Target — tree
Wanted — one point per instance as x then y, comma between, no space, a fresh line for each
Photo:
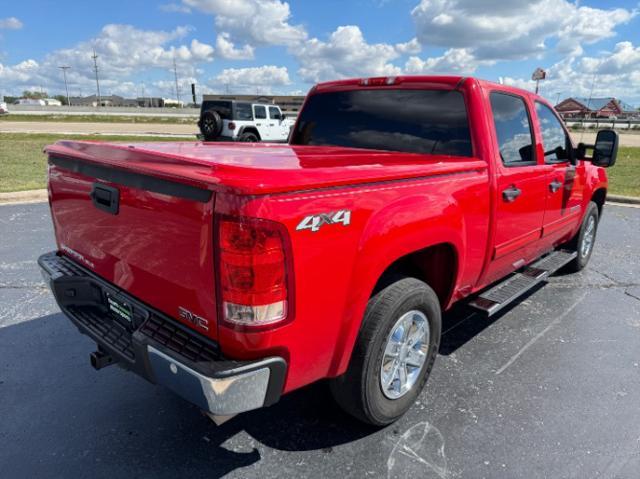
62,99
34,95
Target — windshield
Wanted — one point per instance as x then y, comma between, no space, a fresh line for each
413,121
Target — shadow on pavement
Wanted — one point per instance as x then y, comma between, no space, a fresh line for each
76,420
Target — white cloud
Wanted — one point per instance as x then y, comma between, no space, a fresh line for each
254,22
122,50
625,59
266,76
10,23
345,54
498,30
614,73
453,61
411,47
226,49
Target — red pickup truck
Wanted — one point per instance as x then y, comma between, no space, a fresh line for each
235,273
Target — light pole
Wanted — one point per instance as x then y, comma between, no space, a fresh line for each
66,87
95,68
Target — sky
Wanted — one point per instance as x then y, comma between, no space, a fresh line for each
279,47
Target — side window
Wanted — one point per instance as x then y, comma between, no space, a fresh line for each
274,113
513,128
554,138
260,112
243,112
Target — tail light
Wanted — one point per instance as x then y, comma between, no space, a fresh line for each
232,125
254,274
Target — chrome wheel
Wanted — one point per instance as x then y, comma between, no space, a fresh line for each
405,353
588,237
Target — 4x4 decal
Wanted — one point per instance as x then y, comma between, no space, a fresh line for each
314,222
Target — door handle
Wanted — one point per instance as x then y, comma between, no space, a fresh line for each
555,185
510,194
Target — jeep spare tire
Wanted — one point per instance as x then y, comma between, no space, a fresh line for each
210,125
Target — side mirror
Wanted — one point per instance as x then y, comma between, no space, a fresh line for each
605,150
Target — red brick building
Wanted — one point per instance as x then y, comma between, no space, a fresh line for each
576,107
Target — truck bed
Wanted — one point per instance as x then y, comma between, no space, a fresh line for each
262,168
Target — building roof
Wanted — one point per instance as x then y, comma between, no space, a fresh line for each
596,104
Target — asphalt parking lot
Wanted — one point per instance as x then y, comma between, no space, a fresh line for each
550,388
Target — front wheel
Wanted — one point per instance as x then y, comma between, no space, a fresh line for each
584,240
393,355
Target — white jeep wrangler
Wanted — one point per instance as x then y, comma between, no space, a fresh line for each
230,120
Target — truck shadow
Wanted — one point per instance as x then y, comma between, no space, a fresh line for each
76,420
61,418
461,324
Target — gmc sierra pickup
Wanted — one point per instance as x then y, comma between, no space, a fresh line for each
235,273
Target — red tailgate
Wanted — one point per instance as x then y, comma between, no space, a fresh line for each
156,244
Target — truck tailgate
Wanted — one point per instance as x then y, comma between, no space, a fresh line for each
147,235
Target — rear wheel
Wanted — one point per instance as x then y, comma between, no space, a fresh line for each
584,240
248,137
393,355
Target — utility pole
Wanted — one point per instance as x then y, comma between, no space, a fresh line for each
95,69
66,87
175,73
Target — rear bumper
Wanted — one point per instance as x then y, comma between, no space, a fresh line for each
159,348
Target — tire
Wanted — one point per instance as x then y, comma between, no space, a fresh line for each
359,391
210,125
581,242
248,137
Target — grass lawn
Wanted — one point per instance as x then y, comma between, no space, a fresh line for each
23,165
624,176
60,118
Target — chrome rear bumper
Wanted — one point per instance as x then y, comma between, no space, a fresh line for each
159,348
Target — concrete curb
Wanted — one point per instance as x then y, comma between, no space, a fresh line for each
632,200
30,196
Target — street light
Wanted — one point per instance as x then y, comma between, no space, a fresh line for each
64,72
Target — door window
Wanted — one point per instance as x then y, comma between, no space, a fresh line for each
554,138
513,129
274,113
260,112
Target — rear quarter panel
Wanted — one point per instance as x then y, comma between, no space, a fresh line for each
337,267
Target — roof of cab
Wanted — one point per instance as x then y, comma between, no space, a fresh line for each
431,81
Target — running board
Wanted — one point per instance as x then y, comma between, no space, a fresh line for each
504,293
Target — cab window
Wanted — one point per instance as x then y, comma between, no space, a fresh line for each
260,112
513,129
554,138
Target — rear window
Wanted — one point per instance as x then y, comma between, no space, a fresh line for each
413,121
222,107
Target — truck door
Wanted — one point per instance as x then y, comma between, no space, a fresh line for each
262,122
521,186
278,127
565,182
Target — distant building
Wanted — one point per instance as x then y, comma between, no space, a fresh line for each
52,102
577,107
290,104
110,100
29,101
171,103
